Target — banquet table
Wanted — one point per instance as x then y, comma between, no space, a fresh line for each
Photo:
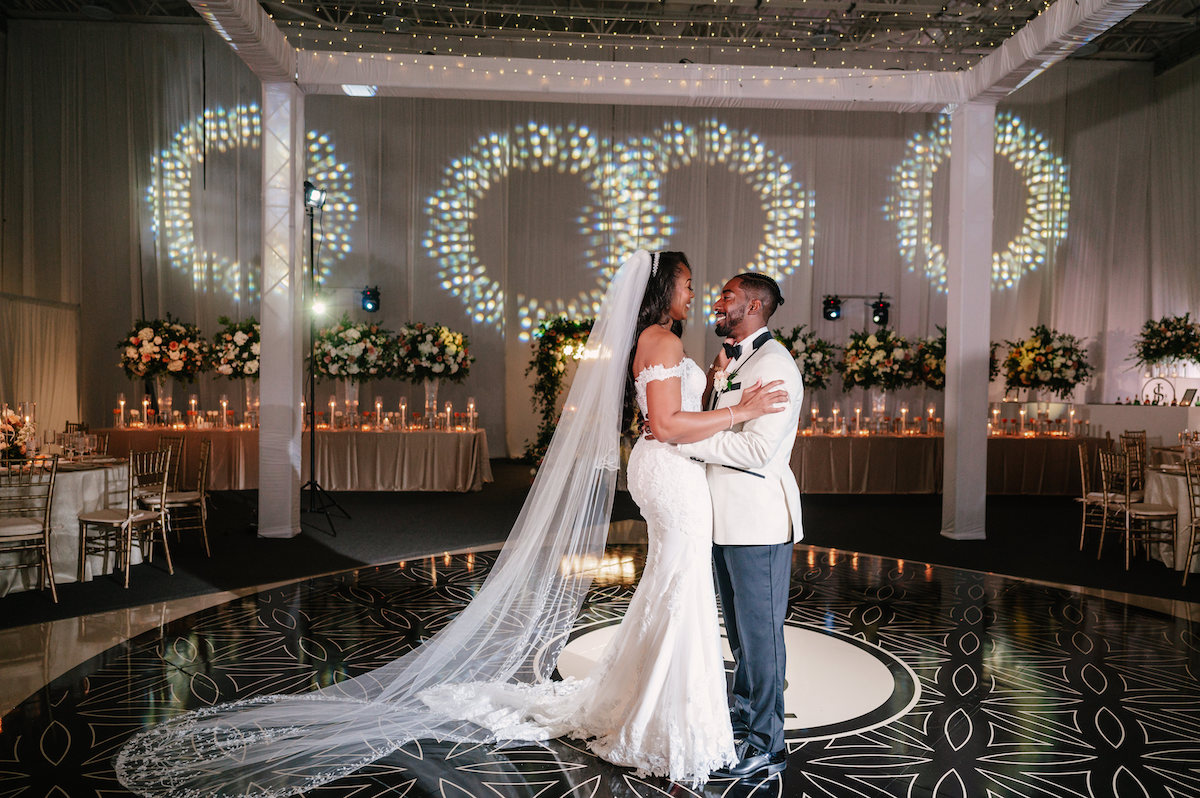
1169,487
75,491
915,463
425,460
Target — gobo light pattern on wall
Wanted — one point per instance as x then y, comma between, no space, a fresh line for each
626,211
1047,201
173,193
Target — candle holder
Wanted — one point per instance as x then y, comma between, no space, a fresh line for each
121,409
448,413
471,414
403,413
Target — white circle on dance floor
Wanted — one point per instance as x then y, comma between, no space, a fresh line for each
835,684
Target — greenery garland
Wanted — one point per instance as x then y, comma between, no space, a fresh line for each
557,341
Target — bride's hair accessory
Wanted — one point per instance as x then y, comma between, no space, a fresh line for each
653,264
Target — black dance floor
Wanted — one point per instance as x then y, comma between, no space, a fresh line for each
903,680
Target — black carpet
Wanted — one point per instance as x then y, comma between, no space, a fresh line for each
1035,537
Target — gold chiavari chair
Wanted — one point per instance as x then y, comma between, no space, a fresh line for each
1133,444
117,527
1091,502
175,444
26,497
188,509
76,426
1138,517
1192,470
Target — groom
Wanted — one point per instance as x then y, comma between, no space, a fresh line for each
756,516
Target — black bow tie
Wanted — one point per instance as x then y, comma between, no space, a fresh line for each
734,351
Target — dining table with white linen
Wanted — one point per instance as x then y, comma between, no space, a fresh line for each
1167,484
82,486
347,459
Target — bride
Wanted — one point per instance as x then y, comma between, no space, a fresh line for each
656,700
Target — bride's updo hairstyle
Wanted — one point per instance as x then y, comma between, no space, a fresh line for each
655,303
659,290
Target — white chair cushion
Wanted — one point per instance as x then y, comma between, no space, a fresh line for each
1157,510
116,517
174,498
14,526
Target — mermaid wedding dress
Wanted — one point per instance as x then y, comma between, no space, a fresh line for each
656,700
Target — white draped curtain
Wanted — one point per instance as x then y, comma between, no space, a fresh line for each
41,358
98,117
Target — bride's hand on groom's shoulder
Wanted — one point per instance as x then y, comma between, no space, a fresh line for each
761,399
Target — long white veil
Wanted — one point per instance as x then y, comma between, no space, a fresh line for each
284,744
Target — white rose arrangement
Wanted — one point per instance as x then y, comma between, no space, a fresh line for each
814,355
353,351
431,351
880,359
237,348
164,346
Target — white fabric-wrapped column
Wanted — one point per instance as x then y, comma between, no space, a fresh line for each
282,311
968,327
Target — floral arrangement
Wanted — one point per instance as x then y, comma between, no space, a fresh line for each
1046,360
15,435
1170,339
556,342
931,361
813,355
353,351
236,348
163,346
431,351
880,359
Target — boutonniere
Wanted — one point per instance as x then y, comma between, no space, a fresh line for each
723,381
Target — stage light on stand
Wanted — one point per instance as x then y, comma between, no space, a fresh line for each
313,197
879,311
831,308
370,299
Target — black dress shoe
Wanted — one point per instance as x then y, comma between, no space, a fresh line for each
754,763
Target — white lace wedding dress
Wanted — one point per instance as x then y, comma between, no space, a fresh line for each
656,701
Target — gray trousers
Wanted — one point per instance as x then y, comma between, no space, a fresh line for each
753,584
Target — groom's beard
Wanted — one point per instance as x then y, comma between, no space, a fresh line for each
733,318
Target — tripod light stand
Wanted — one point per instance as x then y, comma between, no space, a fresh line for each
319,500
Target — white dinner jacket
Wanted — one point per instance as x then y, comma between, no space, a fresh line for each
751,510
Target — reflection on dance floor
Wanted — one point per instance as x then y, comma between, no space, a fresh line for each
903,680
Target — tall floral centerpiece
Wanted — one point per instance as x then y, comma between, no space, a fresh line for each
814,355
16,437
879,361
428,354
1169,342
165,351
931,361
352,353
557,342
236,349
1046,360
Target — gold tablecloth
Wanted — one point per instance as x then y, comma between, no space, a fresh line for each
914,464
432,461
346,459
74,493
